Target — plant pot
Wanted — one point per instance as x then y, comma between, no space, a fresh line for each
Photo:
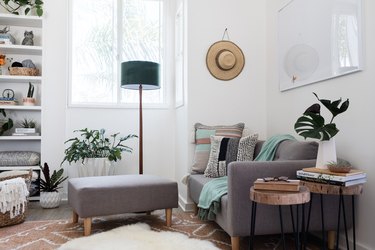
95,167
50,199
326,153
27,101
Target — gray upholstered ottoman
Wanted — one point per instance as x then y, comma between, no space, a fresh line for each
117,194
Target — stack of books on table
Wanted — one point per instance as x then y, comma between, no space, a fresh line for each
288,185
325,176
25,132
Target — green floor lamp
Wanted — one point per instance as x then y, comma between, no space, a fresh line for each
140,75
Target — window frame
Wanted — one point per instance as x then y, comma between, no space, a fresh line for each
118,104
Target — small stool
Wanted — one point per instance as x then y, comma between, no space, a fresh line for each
322,189
279,198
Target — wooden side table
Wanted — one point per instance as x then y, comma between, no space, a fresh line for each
278,198
322,189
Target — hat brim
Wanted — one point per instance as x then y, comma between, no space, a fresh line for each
211,61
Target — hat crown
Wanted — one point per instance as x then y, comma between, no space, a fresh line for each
226,60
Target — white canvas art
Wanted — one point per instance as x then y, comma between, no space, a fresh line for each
318,40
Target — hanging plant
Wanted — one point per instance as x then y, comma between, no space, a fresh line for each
14,6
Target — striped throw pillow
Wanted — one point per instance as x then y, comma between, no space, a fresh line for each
203,141
224,150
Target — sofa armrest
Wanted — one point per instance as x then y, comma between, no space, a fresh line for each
241,176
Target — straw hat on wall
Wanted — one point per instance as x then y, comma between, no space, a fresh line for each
225,60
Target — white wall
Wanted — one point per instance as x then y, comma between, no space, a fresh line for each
59,120
211,101
355,140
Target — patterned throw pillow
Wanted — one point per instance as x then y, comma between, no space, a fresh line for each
203,143
225,150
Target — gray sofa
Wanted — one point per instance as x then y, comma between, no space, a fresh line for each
235,213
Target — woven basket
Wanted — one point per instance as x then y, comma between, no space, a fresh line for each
5,219
20,71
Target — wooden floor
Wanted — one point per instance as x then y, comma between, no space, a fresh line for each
36,212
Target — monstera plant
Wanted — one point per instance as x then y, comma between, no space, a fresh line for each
313,125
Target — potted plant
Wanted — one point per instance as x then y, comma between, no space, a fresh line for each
29,100
5,123
49,195
26,127
15,6
313,125
95,151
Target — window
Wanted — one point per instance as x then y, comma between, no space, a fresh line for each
104,34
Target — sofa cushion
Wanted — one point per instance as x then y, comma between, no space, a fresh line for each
203,142
296,150
224,150
196,183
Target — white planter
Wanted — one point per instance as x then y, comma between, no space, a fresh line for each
326,153
95,167
50,199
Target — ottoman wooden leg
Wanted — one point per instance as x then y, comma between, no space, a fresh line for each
87,226
235,241
75,217
168,216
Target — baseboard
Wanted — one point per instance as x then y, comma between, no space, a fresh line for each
359,246
185,205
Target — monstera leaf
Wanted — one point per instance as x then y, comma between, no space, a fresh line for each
311,125
333,106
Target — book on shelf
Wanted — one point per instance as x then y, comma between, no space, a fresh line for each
25,134
336,183
25,130
326,171
333,176
289,185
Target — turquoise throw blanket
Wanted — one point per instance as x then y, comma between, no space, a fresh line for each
209,199
268,151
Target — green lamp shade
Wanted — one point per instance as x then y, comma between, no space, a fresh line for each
135,73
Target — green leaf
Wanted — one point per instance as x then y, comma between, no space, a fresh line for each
39,12
27,10
312,125
333,106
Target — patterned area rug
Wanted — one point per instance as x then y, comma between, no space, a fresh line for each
45,235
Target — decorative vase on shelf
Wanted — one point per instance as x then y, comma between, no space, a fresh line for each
28,101
326,153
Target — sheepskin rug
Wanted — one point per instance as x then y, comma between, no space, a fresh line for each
137,236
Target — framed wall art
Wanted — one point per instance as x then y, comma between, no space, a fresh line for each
318,40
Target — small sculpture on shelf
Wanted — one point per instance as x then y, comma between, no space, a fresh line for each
5,37
29,100
29,38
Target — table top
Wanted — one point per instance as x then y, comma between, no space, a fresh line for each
322,188
280,197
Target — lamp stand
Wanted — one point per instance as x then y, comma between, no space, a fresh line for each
140,131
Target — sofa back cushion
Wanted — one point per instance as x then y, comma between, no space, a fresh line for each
296,150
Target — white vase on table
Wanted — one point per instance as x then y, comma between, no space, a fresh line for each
326,153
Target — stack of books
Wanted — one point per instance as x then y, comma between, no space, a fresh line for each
325,176
289,185
25,132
